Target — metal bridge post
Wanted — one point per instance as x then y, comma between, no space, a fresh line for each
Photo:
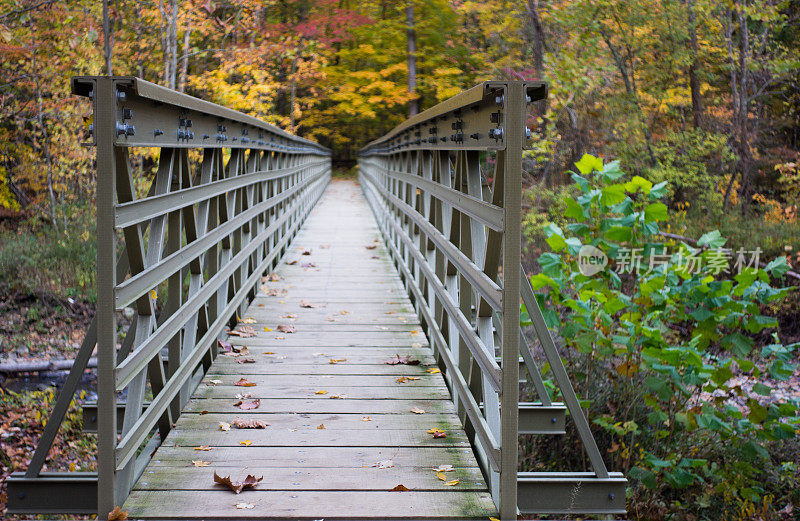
105,121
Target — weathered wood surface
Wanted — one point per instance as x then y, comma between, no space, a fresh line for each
360,319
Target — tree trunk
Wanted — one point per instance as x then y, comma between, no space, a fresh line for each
411,36
537,37
694,82
185,59
108,44
173,45
45,137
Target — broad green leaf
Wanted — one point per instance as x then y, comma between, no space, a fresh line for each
656,212
762,389
712,239
638,183
588,163
573,210
778,267
619,234
612,194
658,190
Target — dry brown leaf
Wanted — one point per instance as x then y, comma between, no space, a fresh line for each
306,252
274,277
237,486
248,320
385,464
292,262
203,447
404,360
246,405
214,382
203,412
306,304
400,488
117,514
200,463
243,396
286,328
321,426
437,433
337,397
245,360
243,331
224,346
371,247
241,423
417,410
243,382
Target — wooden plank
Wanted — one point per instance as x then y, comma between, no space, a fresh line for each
189,477
353,393
327,369
220,504
324,405
197,432
288,421
349,380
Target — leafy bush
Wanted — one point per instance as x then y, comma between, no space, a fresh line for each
665,344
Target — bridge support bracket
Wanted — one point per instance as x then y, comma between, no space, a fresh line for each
52,493
570,493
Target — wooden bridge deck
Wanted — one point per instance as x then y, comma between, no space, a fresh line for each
330,423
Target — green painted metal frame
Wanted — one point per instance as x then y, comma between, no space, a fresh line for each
453,229
229,195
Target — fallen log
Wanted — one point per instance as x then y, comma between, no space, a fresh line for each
36,366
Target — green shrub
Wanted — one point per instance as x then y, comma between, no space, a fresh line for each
656,348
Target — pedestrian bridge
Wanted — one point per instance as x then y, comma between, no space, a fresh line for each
308,348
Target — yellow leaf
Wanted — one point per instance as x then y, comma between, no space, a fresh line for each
452,483
441,476
224,426
417,410
267,329
153,294
246,443
200,463
321,392
203,447
433,370
321,426
366,419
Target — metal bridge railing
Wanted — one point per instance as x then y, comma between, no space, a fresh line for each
445,188
229,195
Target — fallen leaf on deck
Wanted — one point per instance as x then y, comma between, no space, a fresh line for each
224,426
308,265
242,506
269,353
241,423
416,345
246,405
452,483
385,464
306,304
404,379
200,463
289,315
214,382
321,426
374,257
417,410
246,443
337,360
245,361
413,332
320,354
203,447
321,392
243,396
203,412
399,488
225,346
444,468
275,292
280,337
433,370
244,383
404,360
337,397
274,277
243,331
371,247
267,329
286,328
117,514
437,433
306,252
292,262
248,320
366,419
237,486
441,476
